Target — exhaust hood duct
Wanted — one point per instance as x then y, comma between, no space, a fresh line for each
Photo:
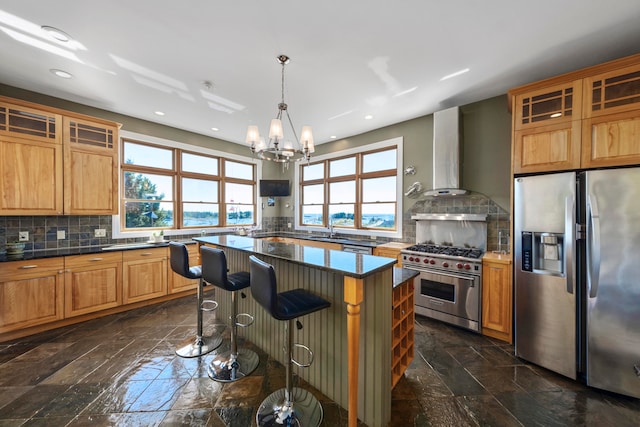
446,153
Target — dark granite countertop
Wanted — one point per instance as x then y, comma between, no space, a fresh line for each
49,253
346,263
401,275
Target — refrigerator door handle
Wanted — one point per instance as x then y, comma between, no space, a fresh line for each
570,240
593,246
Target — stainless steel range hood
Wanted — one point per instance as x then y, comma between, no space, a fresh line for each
446,153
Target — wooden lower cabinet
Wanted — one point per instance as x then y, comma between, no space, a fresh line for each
31,293
178,283
92,283
402,330
497,297
144,274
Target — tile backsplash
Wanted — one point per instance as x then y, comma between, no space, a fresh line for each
80,230
498,220
43,231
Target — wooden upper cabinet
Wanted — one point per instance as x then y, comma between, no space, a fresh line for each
547,148
545,106
31,160
54,162
611,129
589,118
90,167
547,128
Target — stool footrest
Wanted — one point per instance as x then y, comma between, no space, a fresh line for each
244,325
303,365
209,305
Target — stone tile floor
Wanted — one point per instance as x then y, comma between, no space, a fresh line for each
122,370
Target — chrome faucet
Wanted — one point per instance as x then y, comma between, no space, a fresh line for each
331,233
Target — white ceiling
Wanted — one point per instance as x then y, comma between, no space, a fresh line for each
349,58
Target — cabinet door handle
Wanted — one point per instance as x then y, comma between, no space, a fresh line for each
97,259
146,253
26,267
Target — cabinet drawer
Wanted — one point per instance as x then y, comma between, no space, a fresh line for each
92,259
30,268
140,254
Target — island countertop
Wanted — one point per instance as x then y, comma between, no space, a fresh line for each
350,264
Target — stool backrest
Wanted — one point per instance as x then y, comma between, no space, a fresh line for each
264,287
179,258
214,266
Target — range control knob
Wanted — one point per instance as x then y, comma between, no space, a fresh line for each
467,267
445,264
433,261
426,260
459,265
410,258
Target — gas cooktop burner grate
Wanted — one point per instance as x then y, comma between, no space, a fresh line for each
446,250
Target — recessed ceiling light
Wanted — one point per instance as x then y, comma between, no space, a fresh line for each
457,73
159,113
56,33
368,117
61,73
215,129
333,137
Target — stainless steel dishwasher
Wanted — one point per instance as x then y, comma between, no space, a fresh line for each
357,249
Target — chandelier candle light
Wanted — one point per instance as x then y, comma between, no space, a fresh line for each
277,150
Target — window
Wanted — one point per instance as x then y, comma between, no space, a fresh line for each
353,191
169,187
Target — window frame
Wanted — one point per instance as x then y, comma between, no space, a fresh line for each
118,230
357,229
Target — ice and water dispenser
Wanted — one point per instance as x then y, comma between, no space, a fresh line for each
543,253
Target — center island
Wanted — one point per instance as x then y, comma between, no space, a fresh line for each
351,340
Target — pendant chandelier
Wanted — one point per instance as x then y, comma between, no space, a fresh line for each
277,149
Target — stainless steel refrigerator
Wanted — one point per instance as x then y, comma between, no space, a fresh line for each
577,275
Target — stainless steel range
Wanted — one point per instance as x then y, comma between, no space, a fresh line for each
448,256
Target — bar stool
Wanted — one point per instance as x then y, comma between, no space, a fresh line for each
200,345
233,364
291,406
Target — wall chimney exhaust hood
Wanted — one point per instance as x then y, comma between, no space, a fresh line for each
446,153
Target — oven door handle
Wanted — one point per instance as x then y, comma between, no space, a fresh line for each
471,278
435,301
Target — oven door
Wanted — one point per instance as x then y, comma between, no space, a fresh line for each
452,298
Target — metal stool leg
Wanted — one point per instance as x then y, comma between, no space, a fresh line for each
200,345
290,406
234,364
